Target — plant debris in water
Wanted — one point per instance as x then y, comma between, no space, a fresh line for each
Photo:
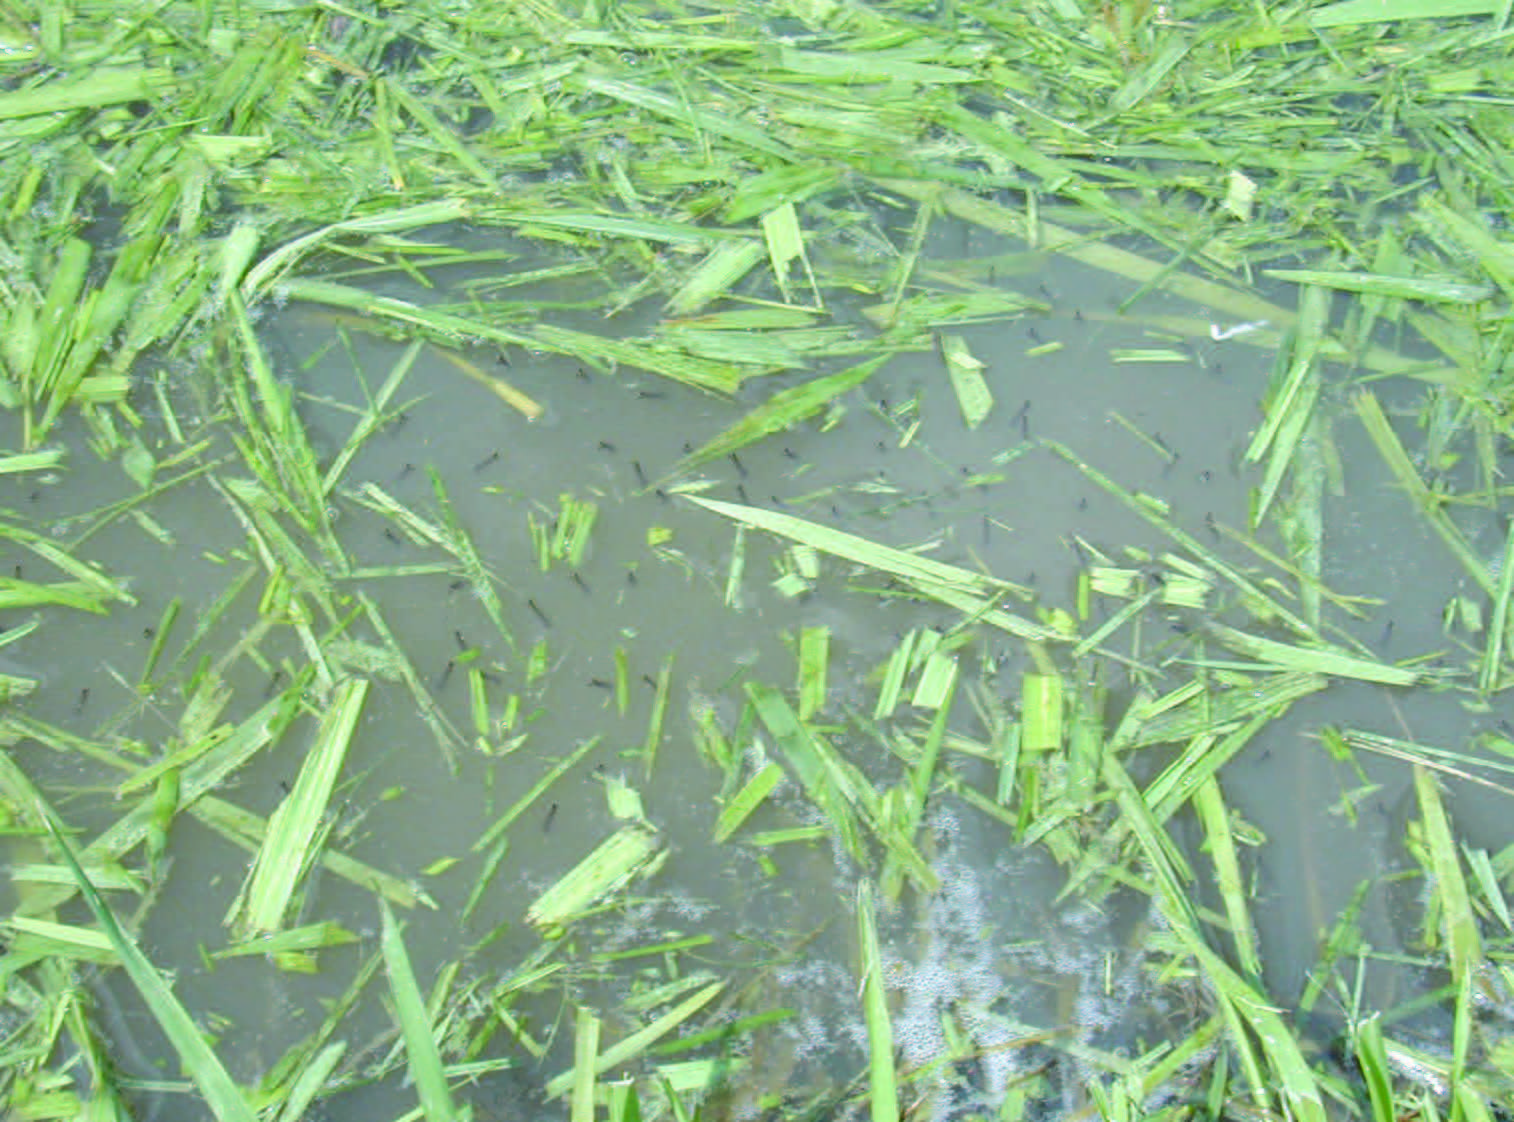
763,189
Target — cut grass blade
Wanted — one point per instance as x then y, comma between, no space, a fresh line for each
1426,503
422,1056
247,830
780,413
297,829
1215,818
907,566
883,1091
814,660
1433,290
826,779
966,372
1259,603
613,864
536,791
745,801
460,545
262,728
638,1042
658,714
1306,660
1240,1000
585,1049
1463,944
220,1091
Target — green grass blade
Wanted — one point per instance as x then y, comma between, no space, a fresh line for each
781,412
656,718
1433,290
1367,1040
746,800
884,1097
94,89
824,780
1317,660
536,791
421,1052
1463,943
1426,503
585,1049
298,827
638,1042
611,865
1493,653
814,660
1210,804
881,557
220,1091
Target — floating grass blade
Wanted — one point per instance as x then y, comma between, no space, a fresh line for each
537,789
1210,804
884,1092
297,829
1425,501
966,371
785,244
638,1042
422,1056
748,799
824,778
310,1082
460,545
274,267
1305,660
781,412
726,264
1367,1038
613,864
893,677
1491,664
1433,290
883,558
657,716
585,1049
372,421
247,830
221,1093
1463,943
260,729
814,658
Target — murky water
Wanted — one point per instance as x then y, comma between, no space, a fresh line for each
1045,991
